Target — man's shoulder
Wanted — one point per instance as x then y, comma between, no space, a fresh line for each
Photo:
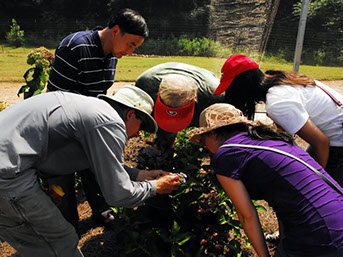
80,38
88,107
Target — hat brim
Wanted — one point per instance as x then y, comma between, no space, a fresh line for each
223,86
195,135
173,120
148,123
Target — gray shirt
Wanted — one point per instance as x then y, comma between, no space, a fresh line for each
58,133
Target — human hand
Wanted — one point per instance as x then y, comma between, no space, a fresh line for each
167,183
150,174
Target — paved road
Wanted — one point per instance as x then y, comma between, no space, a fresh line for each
8,91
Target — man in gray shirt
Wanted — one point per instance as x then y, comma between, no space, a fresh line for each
55,134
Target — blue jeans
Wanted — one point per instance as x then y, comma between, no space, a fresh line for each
34,226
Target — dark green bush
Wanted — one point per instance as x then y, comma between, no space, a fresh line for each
184,46
197,220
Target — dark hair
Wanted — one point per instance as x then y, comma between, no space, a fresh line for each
245,91
130,21
290,78
261,132
251,87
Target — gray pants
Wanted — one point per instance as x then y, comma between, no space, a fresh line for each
34,226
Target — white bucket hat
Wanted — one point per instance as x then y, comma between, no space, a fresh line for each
137,99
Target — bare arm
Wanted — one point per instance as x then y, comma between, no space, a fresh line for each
318,141
246,212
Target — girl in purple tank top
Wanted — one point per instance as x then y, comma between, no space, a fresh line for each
253,161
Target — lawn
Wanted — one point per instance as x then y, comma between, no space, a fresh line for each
13,65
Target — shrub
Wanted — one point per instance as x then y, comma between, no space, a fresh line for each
197,220
184,46
198,46
15,37
3,105
36,77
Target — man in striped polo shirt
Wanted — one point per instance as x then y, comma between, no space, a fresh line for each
85,63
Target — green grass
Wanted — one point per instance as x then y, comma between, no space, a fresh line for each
129,68
13,65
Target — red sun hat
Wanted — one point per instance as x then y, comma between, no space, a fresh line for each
173,120
235,65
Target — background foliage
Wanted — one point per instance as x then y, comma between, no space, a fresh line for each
197,220
3,105
15,37
46,22
323,42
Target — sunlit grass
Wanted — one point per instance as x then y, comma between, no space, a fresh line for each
316,72
129,68
13,65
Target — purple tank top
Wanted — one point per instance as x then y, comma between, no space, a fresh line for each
310,210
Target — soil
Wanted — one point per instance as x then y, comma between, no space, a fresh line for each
99,241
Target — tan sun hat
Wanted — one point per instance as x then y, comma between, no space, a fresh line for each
137,99
213,117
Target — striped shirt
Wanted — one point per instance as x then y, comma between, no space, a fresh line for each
80,65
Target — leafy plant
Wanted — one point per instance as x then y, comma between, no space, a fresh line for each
3,105
15,37
197,220
36,77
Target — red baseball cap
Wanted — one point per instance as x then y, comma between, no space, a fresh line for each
235,65
173,119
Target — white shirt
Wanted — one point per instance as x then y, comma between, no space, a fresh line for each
292,106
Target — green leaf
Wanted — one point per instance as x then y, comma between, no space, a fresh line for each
184,240
261,208
176,227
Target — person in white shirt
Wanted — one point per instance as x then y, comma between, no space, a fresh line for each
296,103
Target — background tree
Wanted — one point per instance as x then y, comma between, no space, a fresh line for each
15,37
325,22
323,36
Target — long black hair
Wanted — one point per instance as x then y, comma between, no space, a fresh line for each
245,91
251,87
289,78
